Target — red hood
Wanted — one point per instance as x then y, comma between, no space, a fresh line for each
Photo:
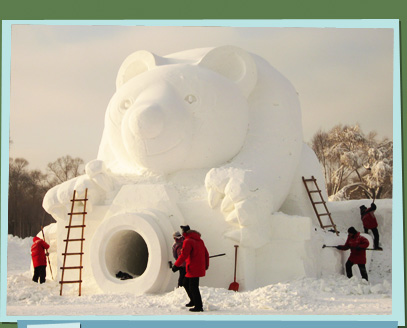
193,235
35,239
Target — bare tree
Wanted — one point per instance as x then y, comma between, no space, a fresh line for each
64,169
27,189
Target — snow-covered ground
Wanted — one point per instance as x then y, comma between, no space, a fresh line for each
329,295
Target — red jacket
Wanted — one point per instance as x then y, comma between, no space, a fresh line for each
368,218
38,252
194,254
356,256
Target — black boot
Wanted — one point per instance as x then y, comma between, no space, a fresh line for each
190,304
195,309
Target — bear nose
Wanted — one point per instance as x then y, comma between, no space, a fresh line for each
148,122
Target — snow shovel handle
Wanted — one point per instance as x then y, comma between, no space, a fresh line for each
234,276
367,249
170,262
46,252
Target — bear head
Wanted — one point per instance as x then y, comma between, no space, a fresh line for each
185,111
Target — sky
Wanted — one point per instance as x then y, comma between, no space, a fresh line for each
62,77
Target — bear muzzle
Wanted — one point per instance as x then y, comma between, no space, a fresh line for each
147,122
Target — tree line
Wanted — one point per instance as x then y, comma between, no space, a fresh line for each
27,189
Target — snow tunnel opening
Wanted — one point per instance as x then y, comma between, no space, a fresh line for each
126,251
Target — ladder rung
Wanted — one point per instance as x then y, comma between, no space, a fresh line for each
68,268
71,282
318,202
323,214
79,211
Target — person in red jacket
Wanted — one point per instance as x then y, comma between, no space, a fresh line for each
369,222
196,257
357,245
38,255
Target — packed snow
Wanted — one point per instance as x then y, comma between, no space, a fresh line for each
329,294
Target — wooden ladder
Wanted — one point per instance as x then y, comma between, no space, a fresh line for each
319,202
69,239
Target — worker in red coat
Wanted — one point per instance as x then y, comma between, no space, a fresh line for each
196,257
369,222
39,258
357,245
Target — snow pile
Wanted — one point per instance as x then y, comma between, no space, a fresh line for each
19,258
331,295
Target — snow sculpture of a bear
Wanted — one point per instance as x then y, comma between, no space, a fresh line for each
220,117
216,108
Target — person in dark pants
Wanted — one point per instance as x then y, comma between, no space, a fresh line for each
176,252
370,222
357,245
39,259
196,257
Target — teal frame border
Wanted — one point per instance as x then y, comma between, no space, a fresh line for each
398,257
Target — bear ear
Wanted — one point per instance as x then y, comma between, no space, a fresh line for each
233,63
135,64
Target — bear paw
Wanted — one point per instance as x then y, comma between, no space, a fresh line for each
57,200
243,202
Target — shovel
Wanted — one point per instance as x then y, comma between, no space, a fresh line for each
46,252
367,249
323,246
223,254
234,285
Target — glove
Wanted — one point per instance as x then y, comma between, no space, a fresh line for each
339,247
174,268
358,248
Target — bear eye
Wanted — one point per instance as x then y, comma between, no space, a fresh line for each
190,99
125,104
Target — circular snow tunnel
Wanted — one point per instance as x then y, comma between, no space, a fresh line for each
126,252
130,244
